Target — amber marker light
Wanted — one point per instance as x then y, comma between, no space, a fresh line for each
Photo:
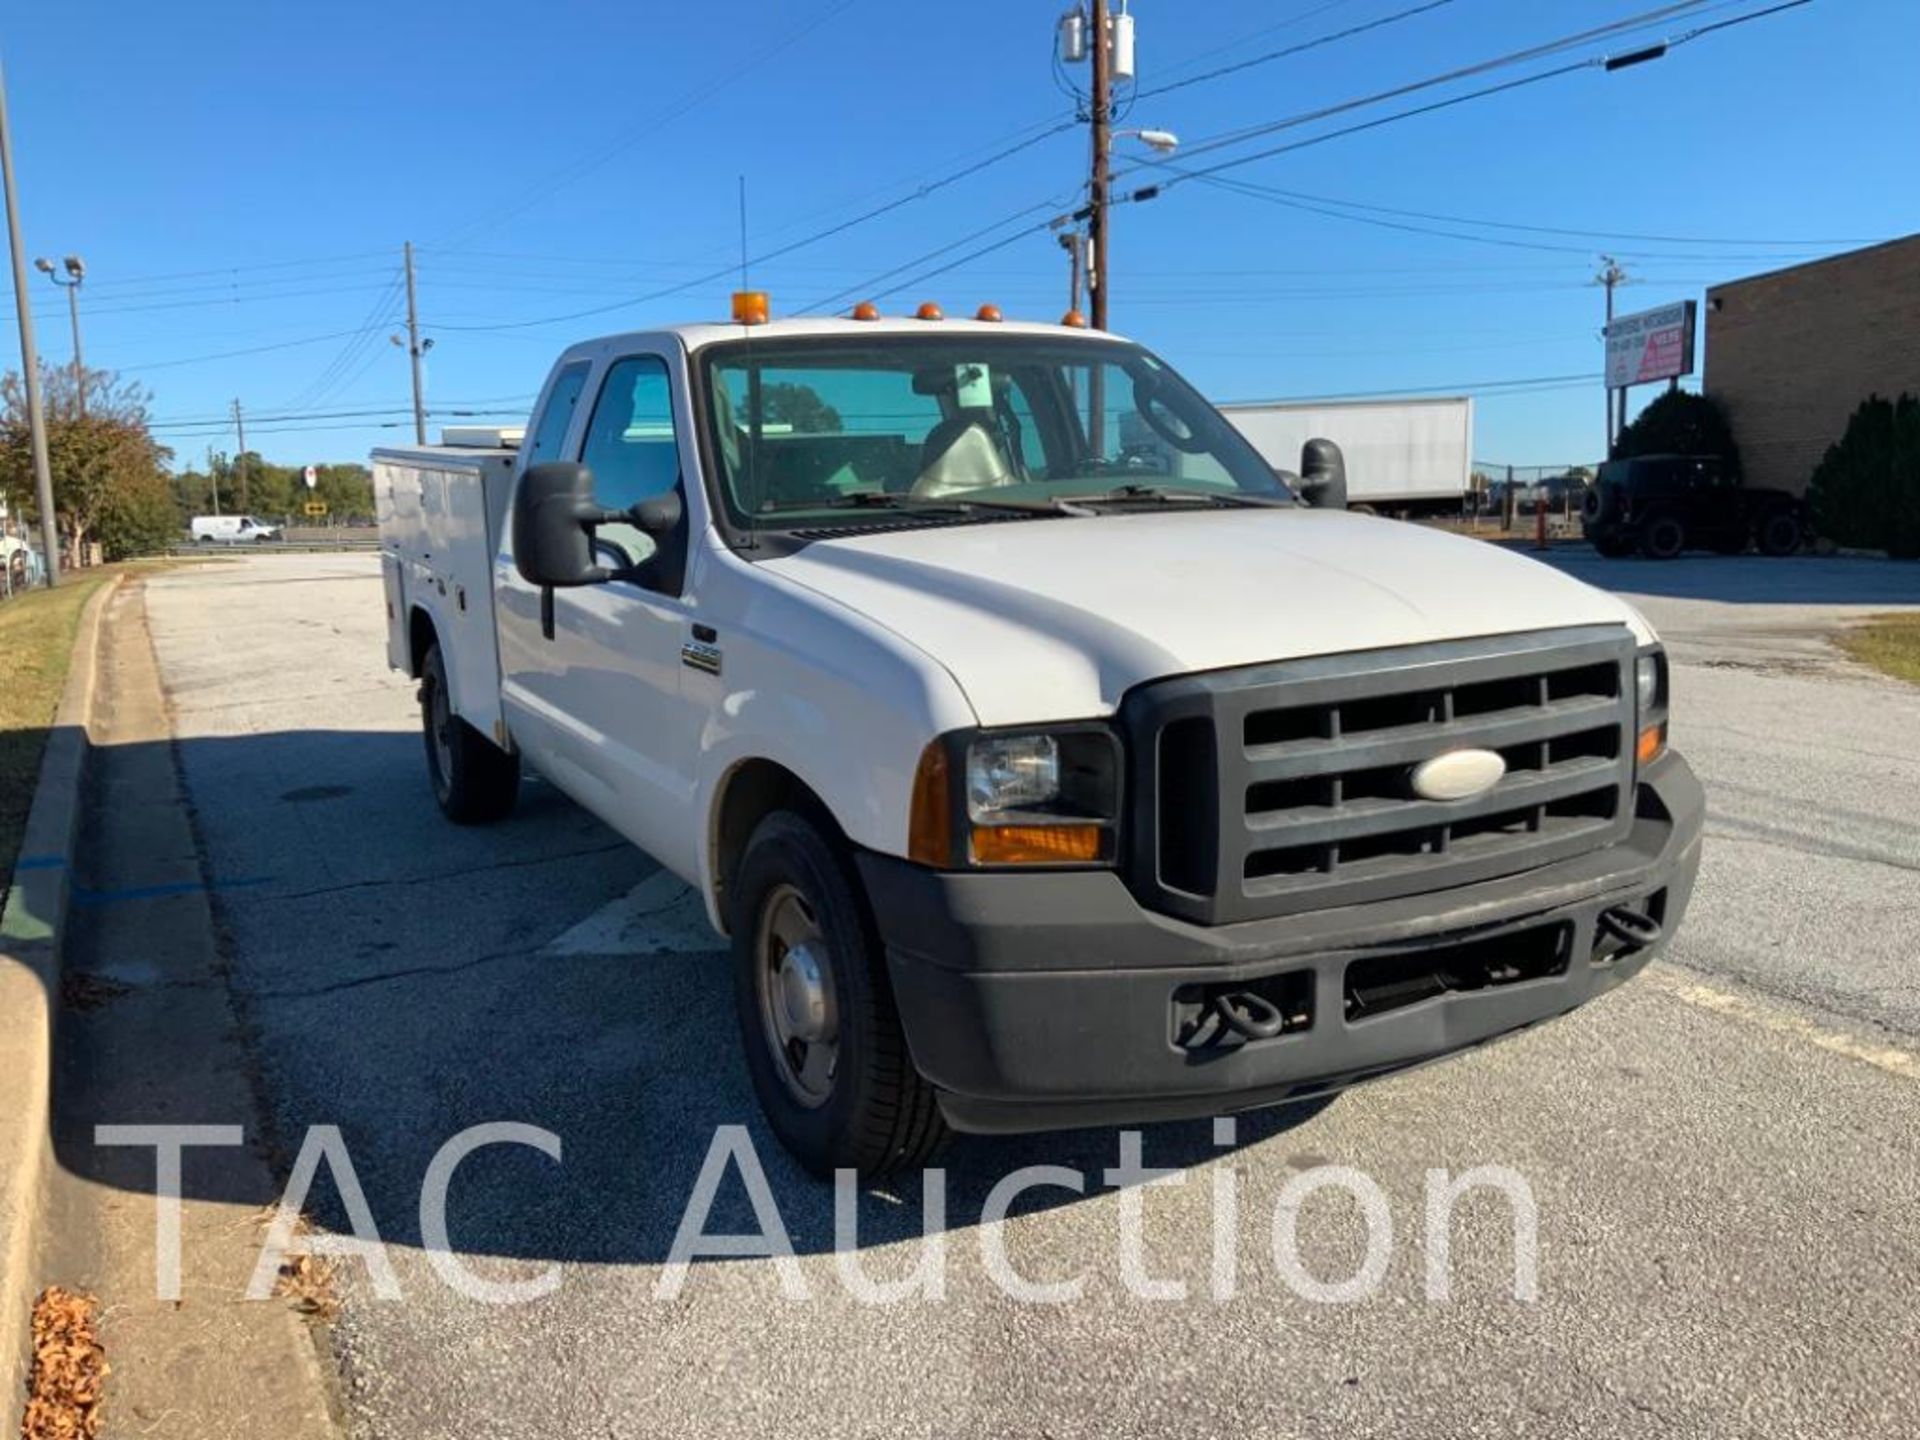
929,816
989,313
928,311
1075,319
750,307
1037,844
866,310
1653,740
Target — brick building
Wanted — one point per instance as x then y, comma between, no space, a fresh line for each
1792,353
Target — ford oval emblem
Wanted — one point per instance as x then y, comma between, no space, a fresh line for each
1458,775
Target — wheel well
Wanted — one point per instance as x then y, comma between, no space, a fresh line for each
420,634
753,790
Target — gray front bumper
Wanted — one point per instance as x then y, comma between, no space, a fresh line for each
1040,1001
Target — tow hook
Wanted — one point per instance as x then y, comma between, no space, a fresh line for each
1249,1015
1630,927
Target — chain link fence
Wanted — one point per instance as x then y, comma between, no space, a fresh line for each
1510,494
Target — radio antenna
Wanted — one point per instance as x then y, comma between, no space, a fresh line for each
743,232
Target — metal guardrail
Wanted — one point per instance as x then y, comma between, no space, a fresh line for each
276,547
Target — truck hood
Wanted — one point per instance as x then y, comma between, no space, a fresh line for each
1056,619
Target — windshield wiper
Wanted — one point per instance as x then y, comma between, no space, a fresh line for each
1160,495
959,505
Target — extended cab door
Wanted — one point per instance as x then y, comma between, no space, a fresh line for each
598,706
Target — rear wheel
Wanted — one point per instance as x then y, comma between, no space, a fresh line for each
823,1040
1780,533
474,780
1612,546
1662,538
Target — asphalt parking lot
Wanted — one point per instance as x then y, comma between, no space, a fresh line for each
1723,1154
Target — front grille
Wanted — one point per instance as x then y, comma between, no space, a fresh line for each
1283,788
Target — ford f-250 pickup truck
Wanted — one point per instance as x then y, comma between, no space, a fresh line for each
1046,758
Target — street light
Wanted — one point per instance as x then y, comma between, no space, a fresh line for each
1161,142
76,269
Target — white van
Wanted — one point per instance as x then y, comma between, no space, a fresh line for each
231,529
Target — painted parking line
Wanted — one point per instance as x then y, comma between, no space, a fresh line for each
1890,1058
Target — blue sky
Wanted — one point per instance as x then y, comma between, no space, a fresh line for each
241,176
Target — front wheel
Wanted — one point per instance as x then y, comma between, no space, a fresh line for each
474,780
1663,538
823,1040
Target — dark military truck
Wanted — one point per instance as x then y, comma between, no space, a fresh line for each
1661,505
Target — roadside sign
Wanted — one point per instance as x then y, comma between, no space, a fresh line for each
311,476
315,507
1650,345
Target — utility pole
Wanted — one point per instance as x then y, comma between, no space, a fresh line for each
1611,275
213,480
29,356
1102,117
240,460
414,350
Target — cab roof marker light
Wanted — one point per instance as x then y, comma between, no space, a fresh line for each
1074,319
751,307
989,312
929,311
866,310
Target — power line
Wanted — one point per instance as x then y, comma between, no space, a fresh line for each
1427,109
1291,50
1464,72
1587,232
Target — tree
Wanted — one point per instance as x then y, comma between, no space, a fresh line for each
799,406
109,473
1679,422
1866,491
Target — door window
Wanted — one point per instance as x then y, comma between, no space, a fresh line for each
551,432
631,448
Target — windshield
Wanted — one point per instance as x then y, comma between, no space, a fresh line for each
891,423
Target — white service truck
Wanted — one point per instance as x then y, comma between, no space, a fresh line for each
1404,457
1037,777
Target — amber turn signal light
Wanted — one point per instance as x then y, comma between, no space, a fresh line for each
1037,844
929,816
1653,740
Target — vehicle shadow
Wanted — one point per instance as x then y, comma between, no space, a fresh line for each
403,979
1748,579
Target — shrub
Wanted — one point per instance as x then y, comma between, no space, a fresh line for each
1679,422
1866,491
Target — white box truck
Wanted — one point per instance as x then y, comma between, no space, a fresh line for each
1036,776
1403,457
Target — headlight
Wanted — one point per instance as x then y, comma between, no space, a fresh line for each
1650,695
1650,677
1048,797
1016,772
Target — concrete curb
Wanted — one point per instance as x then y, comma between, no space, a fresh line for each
32,927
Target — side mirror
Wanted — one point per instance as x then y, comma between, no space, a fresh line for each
553,520
1323,475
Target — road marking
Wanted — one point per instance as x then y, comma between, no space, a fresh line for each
659,916
1889,1058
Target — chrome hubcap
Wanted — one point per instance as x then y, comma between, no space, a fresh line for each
793,982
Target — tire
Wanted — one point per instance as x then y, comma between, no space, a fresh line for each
474,781
1613,547
1663,537
851,1098
1780,533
